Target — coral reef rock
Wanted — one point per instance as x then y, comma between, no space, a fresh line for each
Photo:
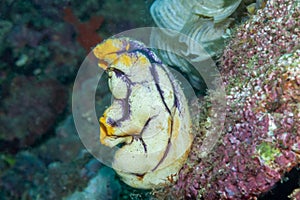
261,138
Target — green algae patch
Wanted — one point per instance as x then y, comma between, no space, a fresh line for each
267,152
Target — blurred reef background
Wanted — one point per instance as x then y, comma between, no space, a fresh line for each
43,44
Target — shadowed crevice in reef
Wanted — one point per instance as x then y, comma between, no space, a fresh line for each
283,189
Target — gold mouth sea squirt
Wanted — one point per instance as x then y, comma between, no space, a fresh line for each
148,120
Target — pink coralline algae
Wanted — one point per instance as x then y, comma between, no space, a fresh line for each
261,138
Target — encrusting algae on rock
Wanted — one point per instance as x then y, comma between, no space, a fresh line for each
148,119
261,138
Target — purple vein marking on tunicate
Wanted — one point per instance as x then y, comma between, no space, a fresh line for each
120,74
142,131
160,91
167,148
148,54
136,46
155,78
174,88
124,102
140,135
111,122
125,111
126,108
